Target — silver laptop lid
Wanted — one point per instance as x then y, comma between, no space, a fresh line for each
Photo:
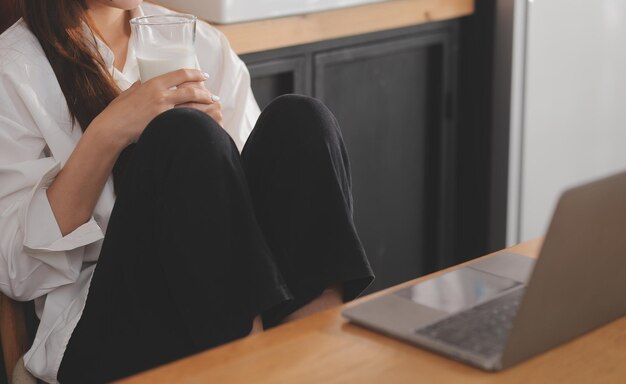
579,281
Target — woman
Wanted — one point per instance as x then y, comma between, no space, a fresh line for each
202,244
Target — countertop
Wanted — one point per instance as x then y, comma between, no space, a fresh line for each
283,32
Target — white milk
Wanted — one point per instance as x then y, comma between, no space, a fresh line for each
164,60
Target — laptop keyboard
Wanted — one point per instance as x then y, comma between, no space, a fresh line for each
482,330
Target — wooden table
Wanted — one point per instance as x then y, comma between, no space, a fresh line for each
325,348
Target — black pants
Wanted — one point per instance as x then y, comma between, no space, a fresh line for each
202,240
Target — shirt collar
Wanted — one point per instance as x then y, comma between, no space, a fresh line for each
107,53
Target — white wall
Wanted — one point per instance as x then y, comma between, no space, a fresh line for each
571,104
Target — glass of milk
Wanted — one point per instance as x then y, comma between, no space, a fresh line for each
164,43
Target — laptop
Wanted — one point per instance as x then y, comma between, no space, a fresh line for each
502,309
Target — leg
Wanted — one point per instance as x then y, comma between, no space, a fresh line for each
183,266
299,177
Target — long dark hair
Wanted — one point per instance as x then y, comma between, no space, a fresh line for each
80,70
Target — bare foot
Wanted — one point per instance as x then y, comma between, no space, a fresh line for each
257,326
331,297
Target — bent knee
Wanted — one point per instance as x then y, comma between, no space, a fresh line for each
295,101
300,115
188,126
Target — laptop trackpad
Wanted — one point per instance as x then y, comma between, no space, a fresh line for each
456,290
506,264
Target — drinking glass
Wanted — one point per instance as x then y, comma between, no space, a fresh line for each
164,43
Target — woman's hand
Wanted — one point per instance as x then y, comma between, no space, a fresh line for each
213,109
123,121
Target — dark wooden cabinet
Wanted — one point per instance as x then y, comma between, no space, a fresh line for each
393,94
274,77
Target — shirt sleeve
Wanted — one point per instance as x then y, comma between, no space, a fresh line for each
230,79
35,257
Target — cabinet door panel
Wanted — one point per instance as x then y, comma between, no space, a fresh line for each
273,78
388,98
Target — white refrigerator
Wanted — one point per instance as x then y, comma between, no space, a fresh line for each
568,104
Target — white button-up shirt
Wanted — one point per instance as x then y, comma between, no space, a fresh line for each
36,138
